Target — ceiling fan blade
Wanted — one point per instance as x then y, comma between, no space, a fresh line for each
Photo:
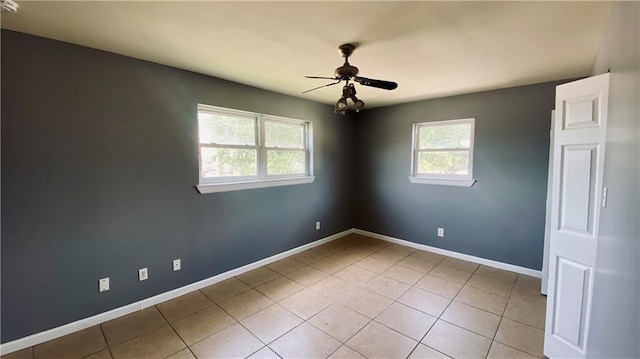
319,87
321,77
381,84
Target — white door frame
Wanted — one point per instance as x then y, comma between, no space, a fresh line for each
547,220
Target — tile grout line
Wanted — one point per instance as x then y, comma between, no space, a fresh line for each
395,301
392,300
105,341
438,317
403,293
494,336
234,318
516,320
175,331
353,335
214,303
335,302
303,320
445,309
266,345
503,317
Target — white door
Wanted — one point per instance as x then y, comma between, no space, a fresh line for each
578,156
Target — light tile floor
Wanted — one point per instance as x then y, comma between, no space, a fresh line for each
351,298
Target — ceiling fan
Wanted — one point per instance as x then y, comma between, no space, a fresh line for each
349,73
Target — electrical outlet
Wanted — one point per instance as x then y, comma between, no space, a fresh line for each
177,265
103,284
440,232
317,225
143,274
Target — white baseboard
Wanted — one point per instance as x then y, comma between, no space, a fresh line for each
63,330
444,252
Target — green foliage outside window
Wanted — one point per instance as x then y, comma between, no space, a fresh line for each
284,141
284,135
444,149
285,162
228,162
447,163
226,130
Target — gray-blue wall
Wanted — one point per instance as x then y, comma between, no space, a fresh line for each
502,216
99,163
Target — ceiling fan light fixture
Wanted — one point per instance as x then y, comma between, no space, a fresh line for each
341,105
358,104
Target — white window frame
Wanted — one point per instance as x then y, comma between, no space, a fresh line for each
261,179
442,179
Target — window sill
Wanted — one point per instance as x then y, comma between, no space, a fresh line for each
236,186
443,181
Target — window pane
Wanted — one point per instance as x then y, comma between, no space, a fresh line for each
225,162
286,162
226,130
449,136
445,163
284,135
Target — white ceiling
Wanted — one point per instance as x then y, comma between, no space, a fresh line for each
432,49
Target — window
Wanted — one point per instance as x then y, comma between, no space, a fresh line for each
443,152
242,150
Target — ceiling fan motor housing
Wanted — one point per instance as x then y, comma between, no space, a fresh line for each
346,71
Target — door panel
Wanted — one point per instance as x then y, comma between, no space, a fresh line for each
576,214
572,292
581,112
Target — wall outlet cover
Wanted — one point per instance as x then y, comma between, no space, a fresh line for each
143,274
317,225
177,265
440,232
103,284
